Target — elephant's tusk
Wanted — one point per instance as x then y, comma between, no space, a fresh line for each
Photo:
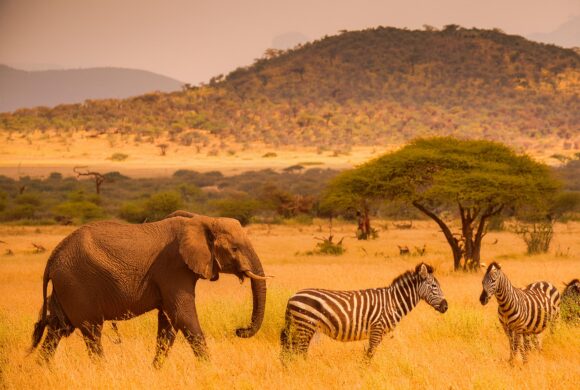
252,275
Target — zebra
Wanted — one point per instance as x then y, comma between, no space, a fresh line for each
570,307
357,315
523,313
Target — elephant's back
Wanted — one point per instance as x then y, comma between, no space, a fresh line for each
100,269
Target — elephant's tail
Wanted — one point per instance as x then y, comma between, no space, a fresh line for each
43,317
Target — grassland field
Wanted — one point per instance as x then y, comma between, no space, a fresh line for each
37,154
462,349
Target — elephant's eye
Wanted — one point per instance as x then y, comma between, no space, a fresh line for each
235,248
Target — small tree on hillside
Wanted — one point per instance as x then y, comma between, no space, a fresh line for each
476,179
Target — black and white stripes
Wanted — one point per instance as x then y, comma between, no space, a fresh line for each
523,313
358,315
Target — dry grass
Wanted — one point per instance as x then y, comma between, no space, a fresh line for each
38,154
464,348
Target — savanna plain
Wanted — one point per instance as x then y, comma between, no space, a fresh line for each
463,348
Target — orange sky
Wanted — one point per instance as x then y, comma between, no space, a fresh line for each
192,40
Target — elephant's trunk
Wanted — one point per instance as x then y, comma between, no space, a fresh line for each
259,302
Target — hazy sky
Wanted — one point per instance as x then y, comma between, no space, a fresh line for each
196,39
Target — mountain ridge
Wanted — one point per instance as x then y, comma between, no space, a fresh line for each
358,88
27,89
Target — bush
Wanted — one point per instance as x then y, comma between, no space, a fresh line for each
241,209
537,236
82,210
162,204
119,157
133,212
327,247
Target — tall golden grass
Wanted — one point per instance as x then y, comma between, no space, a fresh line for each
463,348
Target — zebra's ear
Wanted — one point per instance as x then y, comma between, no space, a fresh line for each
483,265
423,271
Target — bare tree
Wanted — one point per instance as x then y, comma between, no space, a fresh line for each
97,177
163,148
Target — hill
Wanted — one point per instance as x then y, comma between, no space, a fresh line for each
20,89
566,35
370,87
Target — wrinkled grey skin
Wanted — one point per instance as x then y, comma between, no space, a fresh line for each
113,271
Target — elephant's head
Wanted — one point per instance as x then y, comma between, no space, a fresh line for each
213,245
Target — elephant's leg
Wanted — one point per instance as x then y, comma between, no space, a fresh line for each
165,338
92,336
179,305
50,343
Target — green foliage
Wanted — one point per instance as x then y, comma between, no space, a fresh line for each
133,212
241,209
476,179
326,246
81,210
443,171
161,204
277,195
565,204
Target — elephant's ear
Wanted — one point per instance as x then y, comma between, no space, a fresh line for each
196,249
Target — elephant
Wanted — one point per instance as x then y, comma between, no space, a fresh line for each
110,270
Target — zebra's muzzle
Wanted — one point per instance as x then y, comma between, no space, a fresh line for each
442,307
484,298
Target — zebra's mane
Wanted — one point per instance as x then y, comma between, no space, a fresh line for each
493,264
409,275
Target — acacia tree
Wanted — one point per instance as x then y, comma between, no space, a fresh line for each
474,179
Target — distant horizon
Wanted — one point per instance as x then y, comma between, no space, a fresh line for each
38,67
192,41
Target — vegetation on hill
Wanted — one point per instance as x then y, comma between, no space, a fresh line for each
361,87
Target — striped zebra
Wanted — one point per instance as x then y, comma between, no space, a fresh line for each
570,307
357,315
523,313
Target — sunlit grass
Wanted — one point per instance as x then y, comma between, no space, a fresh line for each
463,348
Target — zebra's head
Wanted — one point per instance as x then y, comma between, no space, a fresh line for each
429,289
490,282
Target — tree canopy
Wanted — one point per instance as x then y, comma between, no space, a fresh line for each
477,179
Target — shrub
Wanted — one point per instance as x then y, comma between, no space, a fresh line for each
327,247
161,204
119,157
133,212
240,209
82,210
537,236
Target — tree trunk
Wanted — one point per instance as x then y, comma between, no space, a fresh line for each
454,243
472,253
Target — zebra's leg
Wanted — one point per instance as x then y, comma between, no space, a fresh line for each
375,338
526,346
537,341
303,340
513,338
296,336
